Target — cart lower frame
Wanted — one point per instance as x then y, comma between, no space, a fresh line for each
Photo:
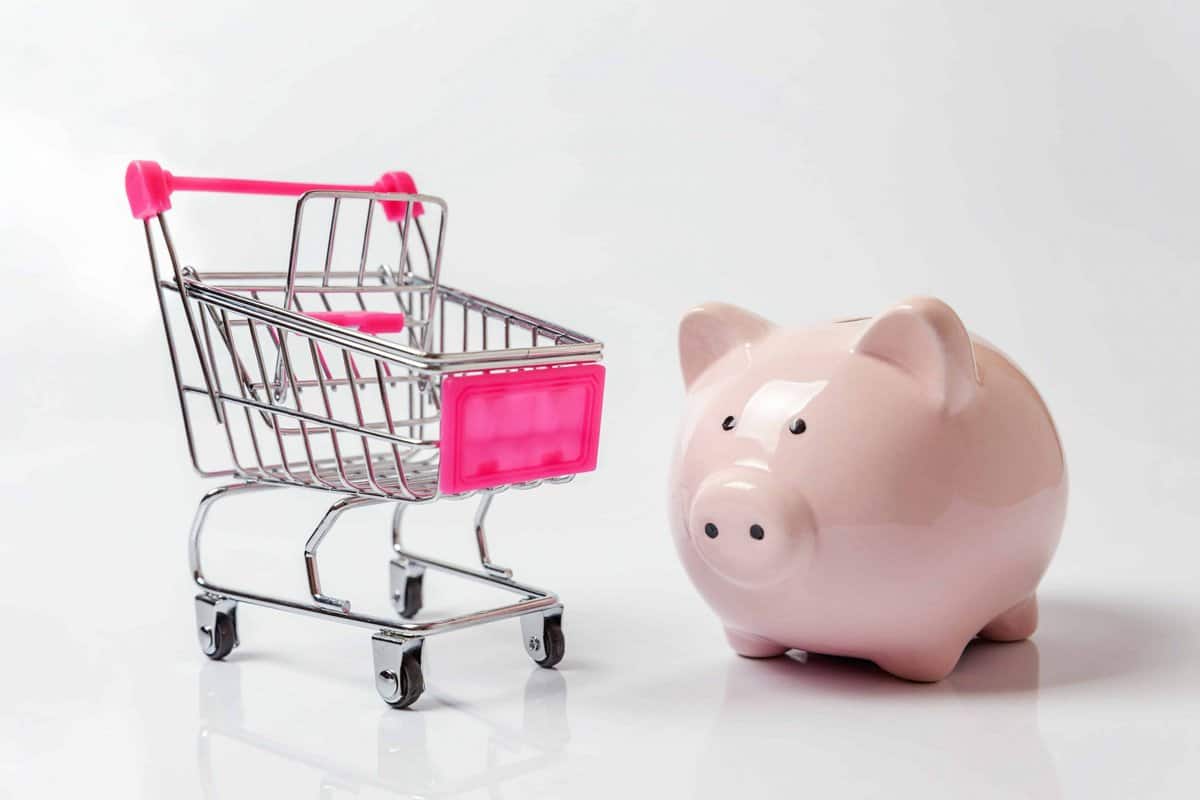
396,646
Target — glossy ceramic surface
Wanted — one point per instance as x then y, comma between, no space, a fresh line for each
884,488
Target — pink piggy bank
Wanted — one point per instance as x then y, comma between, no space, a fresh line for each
883,488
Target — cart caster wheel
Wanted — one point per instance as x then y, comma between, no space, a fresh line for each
398,676
408,595
216,626
543,635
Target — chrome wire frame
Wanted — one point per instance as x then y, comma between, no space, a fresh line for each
306,403
533,600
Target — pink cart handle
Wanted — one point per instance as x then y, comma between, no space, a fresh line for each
148,187
364,321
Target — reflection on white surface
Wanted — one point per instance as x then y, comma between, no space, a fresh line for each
407,764
717,727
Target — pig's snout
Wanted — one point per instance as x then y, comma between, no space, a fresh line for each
748,528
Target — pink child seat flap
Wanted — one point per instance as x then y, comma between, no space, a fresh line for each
510,427
363,321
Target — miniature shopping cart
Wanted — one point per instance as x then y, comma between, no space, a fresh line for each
356,371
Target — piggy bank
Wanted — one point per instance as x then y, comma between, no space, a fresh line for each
883,488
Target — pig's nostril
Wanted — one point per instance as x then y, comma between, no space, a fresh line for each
710,530
757,532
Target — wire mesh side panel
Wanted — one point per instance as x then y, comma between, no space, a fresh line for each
348,421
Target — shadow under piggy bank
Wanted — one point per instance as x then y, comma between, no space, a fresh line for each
817,723
864,732
1088,640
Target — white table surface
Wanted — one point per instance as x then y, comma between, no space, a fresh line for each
607,168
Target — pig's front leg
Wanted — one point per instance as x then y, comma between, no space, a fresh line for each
751,646
925,664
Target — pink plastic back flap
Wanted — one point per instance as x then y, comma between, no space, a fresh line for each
509,427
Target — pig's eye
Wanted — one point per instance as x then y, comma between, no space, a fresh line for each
797,426
728,423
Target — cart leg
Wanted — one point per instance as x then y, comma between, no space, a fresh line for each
407,577
216,616
398,676
542,632
314,542
485,559
206,504
397,521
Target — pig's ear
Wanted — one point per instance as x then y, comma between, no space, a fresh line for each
925,338
710,331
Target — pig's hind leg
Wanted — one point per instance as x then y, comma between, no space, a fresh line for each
1015,624
750,646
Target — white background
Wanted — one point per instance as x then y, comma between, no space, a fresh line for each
1034,164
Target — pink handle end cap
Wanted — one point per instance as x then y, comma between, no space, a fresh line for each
402,183
148,187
